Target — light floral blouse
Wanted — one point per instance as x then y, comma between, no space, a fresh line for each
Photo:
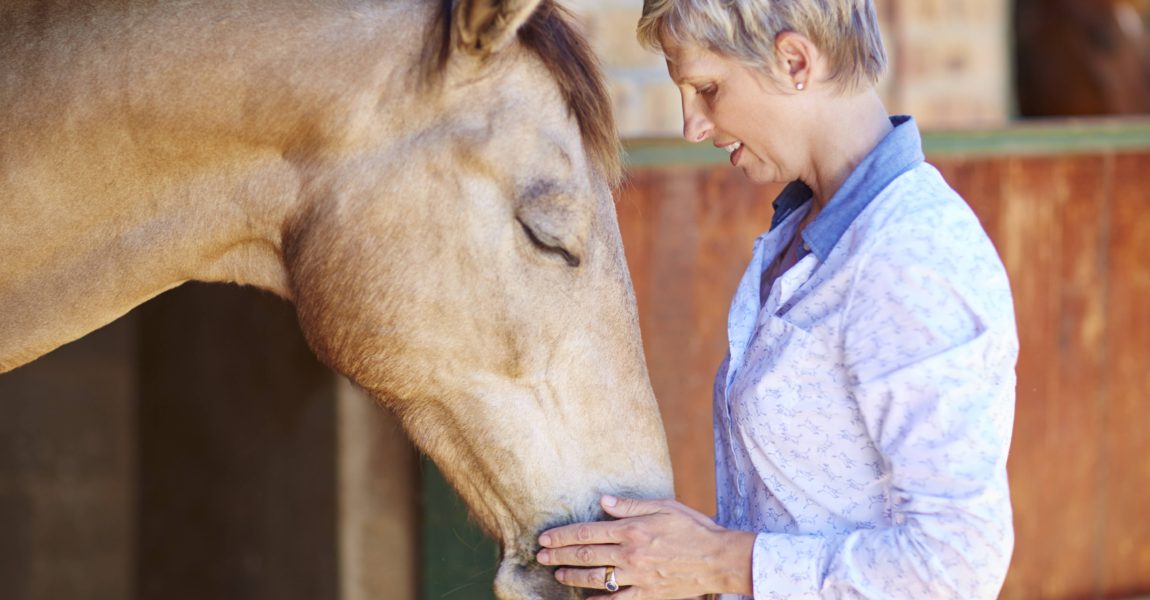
864,413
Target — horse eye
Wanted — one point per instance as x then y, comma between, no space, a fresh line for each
549,245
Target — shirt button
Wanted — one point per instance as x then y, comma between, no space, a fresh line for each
739,512
743,484
806,247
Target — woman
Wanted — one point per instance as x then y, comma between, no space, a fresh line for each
863,415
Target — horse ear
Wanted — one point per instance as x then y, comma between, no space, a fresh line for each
486,26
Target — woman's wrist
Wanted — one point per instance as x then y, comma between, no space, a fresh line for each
734,562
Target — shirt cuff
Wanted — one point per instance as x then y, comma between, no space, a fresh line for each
788,566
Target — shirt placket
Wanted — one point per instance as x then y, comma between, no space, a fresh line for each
782,290
740,332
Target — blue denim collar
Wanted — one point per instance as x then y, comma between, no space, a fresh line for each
899,152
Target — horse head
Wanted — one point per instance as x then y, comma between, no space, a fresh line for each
469,272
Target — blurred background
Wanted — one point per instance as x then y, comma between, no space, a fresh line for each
196,449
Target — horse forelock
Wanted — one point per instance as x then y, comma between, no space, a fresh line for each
550,34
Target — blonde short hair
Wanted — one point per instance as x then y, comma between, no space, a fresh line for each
846,31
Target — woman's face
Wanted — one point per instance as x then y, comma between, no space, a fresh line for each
740,109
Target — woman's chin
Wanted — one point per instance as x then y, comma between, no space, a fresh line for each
758,174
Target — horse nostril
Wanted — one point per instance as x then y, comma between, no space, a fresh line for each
528,580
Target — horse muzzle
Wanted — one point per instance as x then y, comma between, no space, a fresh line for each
520,579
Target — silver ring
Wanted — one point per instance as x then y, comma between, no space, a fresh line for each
609,580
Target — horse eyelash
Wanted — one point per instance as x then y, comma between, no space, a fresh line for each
571,259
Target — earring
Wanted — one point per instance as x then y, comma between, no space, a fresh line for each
800,86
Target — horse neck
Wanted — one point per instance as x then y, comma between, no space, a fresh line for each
116,194
75,261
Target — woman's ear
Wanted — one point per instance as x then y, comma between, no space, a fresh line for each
798,59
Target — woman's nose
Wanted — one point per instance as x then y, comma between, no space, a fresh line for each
696,126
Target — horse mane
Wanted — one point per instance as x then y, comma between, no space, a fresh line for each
565,53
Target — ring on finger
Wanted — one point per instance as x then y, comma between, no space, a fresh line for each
609,580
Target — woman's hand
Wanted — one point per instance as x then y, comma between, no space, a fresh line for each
659,549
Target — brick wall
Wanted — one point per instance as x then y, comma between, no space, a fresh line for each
949,63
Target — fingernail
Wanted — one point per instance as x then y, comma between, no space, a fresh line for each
543,557
545,540
610,501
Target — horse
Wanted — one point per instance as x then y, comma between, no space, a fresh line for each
1076,58
428,182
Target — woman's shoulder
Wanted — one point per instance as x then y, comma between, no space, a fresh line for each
919,222
918,200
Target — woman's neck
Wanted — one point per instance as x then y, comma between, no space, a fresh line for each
848,128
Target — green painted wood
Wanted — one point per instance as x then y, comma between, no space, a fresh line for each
1042,138
458,560
1048,138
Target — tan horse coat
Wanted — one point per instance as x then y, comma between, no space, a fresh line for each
429,187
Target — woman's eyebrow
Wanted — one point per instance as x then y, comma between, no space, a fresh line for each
685,78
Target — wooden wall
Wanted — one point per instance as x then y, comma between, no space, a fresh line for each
1073,229
68,471
197,449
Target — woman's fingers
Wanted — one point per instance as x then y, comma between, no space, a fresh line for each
580,556
595,578
602,532
579,533
630,507
627,594
583,551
